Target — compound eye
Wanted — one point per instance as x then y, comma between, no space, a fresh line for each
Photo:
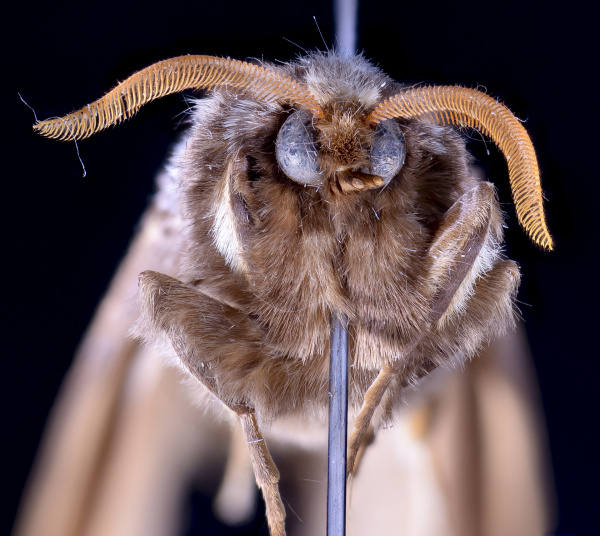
297,151
388,151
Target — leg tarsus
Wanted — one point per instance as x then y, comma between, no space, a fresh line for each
265,471
363,420
368,438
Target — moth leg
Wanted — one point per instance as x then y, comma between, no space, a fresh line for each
363,420
455,255
369,437
464,246
265,471
372,400
199,328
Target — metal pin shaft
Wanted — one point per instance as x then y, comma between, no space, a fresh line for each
338,426
346,15
346,22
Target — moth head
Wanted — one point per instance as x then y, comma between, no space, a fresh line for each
340,148
342,140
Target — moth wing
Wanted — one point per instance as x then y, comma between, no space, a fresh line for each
119,448
500,436
468,455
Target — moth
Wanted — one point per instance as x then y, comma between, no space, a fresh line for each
319,189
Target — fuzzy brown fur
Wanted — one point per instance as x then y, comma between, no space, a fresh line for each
415,266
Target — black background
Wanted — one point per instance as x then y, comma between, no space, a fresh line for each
63,235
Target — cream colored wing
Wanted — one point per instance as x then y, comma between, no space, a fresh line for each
123,438
467,457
